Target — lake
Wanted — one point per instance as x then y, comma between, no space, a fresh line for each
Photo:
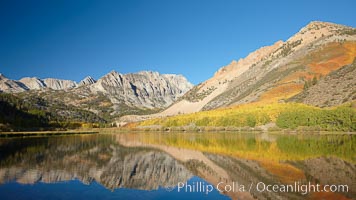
179,166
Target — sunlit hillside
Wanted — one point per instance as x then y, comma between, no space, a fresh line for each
315,65
285,115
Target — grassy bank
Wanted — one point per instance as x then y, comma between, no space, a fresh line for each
291,116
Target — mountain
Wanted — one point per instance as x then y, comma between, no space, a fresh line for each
144,89
24,112
117,94
34,83
300,69
274,73
87,81
58,84
8,85
113,95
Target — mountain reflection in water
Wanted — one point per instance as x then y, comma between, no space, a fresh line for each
157,162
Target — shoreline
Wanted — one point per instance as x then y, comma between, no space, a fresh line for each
170,131
44,133
223,130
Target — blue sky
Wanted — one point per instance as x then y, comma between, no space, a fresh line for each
71,39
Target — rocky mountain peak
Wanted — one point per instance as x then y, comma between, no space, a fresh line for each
8,85
317,31
236,68
113,79
2,77
149,73
59,84
33,83
87,81
145,89
113,73
316,25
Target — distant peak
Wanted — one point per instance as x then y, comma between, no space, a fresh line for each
320,24
312,23
148,72
2,76
113,72
87,81
34,78
316,22
279,42
88,78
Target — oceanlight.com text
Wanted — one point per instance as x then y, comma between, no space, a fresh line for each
296,187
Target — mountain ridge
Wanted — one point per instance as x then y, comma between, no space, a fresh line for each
281,66
271,74
112,95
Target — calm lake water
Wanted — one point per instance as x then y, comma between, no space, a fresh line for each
179,166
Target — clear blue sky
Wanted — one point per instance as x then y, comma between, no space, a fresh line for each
71,39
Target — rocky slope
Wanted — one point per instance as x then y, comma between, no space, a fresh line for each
58,84
147,89
87,81
34,83
9,85
336,88
274,73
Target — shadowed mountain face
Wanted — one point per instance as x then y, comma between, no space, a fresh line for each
148,162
